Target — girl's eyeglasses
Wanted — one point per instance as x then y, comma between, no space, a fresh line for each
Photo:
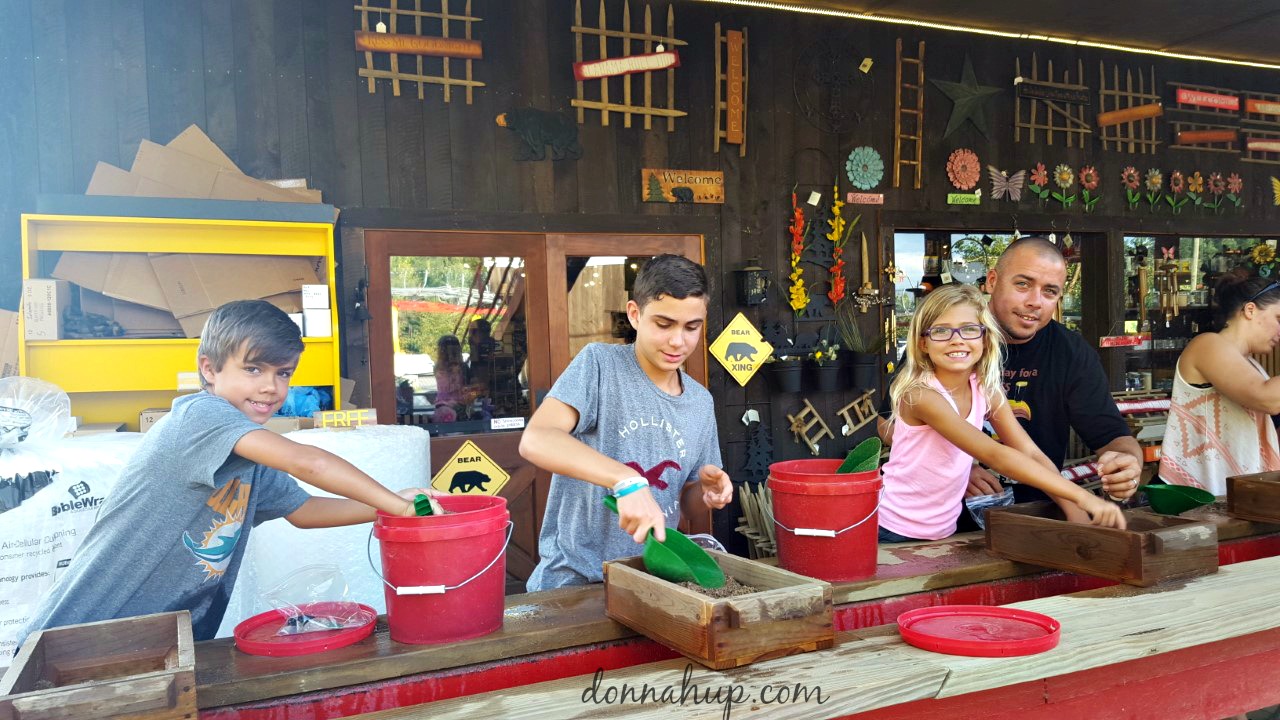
966,332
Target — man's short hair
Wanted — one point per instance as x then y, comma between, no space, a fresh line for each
671,275
1041,246
264,331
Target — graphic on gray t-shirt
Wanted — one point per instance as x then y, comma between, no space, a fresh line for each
621,414
172,533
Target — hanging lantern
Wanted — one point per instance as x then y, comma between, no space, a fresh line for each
753,283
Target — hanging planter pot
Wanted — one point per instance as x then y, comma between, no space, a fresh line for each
827,376
785,375
865,375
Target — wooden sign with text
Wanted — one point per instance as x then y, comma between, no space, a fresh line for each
860,198
625,65
682,186
1053,92
1200,98
735,122
1262,107
419,45
345,418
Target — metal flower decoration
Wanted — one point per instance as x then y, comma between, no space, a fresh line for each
1154,182
1235,189
1129,176
963,169
864,167
1064,177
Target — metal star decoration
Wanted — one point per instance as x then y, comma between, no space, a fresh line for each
970,100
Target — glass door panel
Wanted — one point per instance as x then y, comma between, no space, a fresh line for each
460,342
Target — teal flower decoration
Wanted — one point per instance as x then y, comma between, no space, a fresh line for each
865,168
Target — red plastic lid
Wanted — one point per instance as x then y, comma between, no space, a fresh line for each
257,635
979,630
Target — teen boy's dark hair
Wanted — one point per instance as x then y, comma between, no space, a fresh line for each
264,330
671,275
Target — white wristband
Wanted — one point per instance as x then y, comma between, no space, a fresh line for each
627,486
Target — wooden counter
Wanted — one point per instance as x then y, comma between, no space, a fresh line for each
874,670
563,633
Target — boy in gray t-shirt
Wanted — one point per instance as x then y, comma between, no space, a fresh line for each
172,533
626,420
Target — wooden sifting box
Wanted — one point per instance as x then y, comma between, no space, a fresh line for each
139,668
1153,548
1254,497
790,614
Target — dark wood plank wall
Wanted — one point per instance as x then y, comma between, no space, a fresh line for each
274,84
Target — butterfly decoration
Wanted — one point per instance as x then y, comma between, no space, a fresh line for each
1168,252
1002,183
1275,189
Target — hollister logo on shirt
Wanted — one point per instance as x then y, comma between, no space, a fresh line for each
654,474
634,427
215,549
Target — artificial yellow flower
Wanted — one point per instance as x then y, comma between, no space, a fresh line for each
1262,254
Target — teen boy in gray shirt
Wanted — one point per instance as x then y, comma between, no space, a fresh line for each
626,420
172,533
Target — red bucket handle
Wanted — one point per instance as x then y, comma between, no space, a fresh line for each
434,589
819,532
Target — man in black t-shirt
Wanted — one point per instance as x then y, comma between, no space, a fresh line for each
1053,379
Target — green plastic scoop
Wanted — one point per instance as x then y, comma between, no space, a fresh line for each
1176,499
424,505
678,559
863,458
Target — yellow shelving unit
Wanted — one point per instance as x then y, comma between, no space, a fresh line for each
112,379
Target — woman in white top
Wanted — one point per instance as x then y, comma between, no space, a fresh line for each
1219,419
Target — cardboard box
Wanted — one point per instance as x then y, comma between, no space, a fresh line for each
315,297
138,321
317,323
88,270
43,302
346,386
175,169
108,179
123,276
8,343
297,320
193,325
97,429
284,425
150,417
233,185
194,142
194,284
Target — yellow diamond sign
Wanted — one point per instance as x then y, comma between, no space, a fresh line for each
741,349
470,472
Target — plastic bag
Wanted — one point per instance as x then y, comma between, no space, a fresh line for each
313,598
978,506
304,401
33,412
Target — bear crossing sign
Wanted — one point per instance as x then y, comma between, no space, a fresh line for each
470,472
741,349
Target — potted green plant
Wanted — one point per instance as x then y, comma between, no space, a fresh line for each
865,346
826,365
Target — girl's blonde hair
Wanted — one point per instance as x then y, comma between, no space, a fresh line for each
918,368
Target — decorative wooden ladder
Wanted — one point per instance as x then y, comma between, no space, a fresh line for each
901,113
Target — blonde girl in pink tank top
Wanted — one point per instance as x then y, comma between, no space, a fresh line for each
952,381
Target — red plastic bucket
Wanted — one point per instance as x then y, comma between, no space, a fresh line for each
825,521
445,575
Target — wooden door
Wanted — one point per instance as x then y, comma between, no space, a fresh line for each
435,296
530,314
588,281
